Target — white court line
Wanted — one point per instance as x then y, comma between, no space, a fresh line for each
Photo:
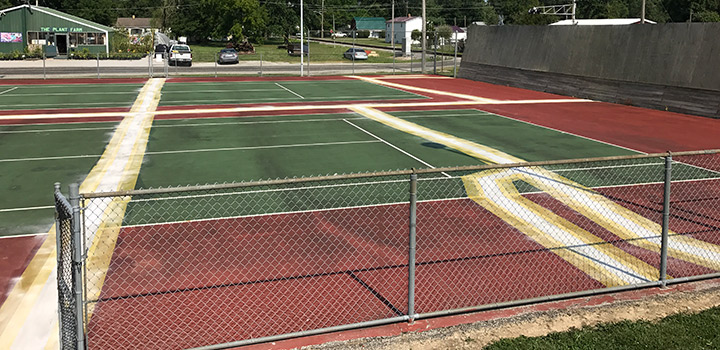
8,90
186,102
46,158
293,212
75,93
168,92
55,130
26,209
395,147
262,147
290,91
78,104
303,188
25,235
243,109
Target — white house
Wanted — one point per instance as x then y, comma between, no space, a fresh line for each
403,27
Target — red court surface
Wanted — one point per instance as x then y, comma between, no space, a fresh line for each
205,282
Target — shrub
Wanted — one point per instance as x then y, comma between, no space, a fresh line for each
363,33
381,35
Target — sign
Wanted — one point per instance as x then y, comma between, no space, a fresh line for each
61,29
11,38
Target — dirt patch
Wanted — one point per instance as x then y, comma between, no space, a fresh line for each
538,323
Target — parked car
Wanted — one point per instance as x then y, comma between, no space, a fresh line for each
228,56
339,35
294,49
180,54
355,54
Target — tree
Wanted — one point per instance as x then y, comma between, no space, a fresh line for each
445,32
416,35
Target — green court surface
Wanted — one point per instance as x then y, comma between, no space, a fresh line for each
32,158
218,150
174,94
67,96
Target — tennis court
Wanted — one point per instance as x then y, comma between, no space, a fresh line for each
266,259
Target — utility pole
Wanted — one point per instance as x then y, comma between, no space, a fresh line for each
642,14
392,32
424,37
302,51
322,19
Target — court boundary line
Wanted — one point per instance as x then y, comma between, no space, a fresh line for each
395,147
292,212
290,91
261,147
283,107
8,90
10,160
10,210
25,235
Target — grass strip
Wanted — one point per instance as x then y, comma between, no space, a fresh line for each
681,331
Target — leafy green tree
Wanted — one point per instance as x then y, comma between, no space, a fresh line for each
444,32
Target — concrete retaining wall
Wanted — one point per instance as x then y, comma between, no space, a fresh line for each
666,66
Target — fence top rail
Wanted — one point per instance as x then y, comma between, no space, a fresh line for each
234,185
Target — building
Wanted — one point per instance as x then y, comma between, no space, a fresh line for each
137,27
601,22
458,34
374,25
403,28
56,32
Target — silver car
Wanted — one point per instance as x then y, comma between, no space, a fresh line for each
355,54
228,56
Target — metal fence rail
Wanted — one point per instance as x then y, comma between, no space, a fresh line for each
226,265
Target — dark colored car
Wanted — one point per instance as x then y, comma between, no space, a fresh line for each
294,49
228,56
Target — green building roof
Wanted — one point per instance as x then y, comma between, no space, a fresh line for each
369,23
70,17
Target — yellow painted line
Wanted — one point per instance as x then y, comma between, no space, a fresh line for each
478,151
25,293
15,310
491,155
288,108
105,236
629,225
610,265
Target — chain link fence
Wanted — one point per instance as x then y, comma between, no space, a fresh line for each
321,56
226,265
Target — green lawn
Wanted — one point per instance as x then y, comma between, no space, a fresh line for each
270,52
677,332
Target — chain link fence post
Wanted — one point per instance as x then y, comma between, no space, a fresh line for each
77,263
44,76
455,58
97,59
261,67
412,247
665,220
216,62
435,43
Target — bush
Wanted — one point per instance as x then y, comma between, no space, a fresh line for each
363,33
12,56
83,54
381,35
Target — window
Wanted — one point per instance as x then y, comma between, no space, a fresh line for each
37,38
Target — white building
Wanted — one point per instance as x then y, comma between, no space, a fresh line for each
601,22
403,28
